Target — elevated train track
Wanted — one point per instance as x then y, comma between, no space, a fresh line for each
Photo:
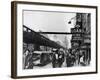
30,36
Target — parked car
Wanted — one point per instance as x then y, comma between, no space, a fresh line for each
44,58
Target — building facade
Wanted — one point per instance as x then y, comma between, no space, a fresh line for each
81,35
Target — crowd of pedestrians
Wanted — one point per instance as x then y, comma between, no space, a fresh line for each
57,57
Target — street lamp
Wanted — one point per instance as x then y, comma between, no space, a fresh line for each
73,18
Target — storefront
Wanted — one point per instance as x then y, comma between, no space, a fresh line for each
85,50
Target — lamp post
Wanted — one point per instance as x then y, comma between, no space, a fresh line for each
73,18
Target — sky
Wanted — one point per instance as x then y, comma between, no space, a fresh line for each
50,22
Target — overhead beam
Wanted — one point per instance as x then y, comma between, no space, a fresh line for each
68,33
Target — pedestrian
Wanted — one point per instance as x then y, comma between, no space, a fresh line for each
26,51
55,59
68,60
60,58
29,58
